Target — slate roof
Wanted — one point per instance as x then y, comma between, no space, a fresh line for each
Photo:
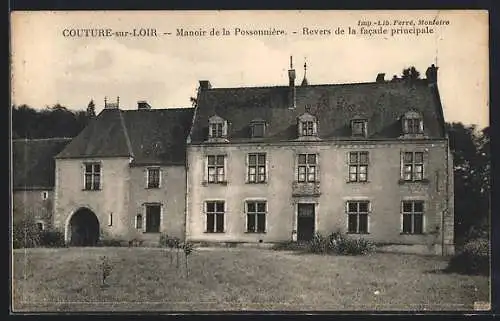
33,162
149,136
334,105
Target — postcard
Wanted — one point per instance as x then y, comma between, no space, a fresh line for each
228,161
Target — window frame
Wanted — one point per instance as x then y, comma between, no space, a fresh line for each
413,123
137,225
259,178
364,128
216,167
409,169
256,213
358,213
216,214
92,174
255,125
148,177
355,167
412,215
308,168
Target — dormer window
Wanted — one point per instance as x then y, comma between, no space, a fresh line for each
412,123
359,127
217,127
258,128
307,125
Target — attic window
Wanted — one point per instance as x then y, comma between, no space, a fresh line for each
359,127
412,123
307,125
217,127
258,128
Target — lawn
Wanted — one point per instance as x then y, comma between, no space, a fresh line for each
143,279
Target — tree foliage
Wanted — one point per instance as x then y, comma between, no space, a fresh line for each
410,73
471,159
91,109
55,121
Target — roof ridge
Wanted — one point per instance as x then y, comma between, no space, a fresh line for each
158,109
39,139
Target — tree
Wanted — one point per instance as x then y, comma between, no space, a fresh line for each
410,73
471,160
91,110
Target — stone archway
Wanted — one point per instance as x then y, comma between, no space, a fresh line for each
83,228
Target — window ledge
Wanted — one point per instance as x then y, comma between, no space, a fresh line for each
151,232
413,234
423,181
247,232
152,187
358,182
353,233
256,183
91,190
206,232
206,183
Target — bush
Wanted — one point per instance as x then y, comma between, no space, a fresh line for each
52,239
25,234
474,259
338,243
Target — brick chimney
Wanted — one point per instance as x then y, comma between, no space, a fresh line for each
380,78
291,86
431,75
205,85
143,105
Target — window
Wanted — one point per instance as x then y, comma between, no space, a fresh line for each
359,128
153,177
357,216
412,123
138,222
153,218
358,166
258,128
40,226
216,172
45,195
413,217
92,176
307,168
110,219
256,216
217,127
413,166
256,168
307,128
216,130
215,216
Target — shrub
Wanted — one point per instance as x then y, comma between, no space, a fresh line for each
25,233
338,243
52,238
474,258
164,240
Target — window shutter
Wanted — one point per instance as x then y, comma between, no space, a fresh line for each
101,176
205,168
83,175
267,170
315,127
347,178
224,129
226,172
421,125
425,163
160,177
318,168
405,125
401,162
146,177
299,128
246,167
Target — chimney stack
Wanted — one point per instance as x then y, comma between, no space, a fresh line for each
380,78
431,75
108,105
143,105
205,85
291,85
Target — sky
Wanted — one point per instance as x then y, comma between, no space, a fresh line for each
49,67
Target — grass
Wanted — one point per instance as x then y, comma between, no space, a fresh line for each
68,279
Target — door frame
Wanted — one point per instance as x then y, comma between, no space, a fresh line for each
145,214
296,215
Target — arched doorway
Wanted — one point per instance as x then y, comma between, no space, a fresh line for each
83,228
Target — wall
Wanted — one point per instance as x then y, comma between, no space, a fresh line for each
171,194
383,189
112,198
31,203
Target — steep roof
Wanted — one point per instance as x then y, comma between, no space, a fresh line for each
33,162
149,136
334,105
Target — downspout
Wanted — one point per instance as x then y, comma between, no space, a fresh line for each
447,198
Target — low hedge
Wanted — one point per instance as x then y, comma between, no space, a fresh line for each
473,259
